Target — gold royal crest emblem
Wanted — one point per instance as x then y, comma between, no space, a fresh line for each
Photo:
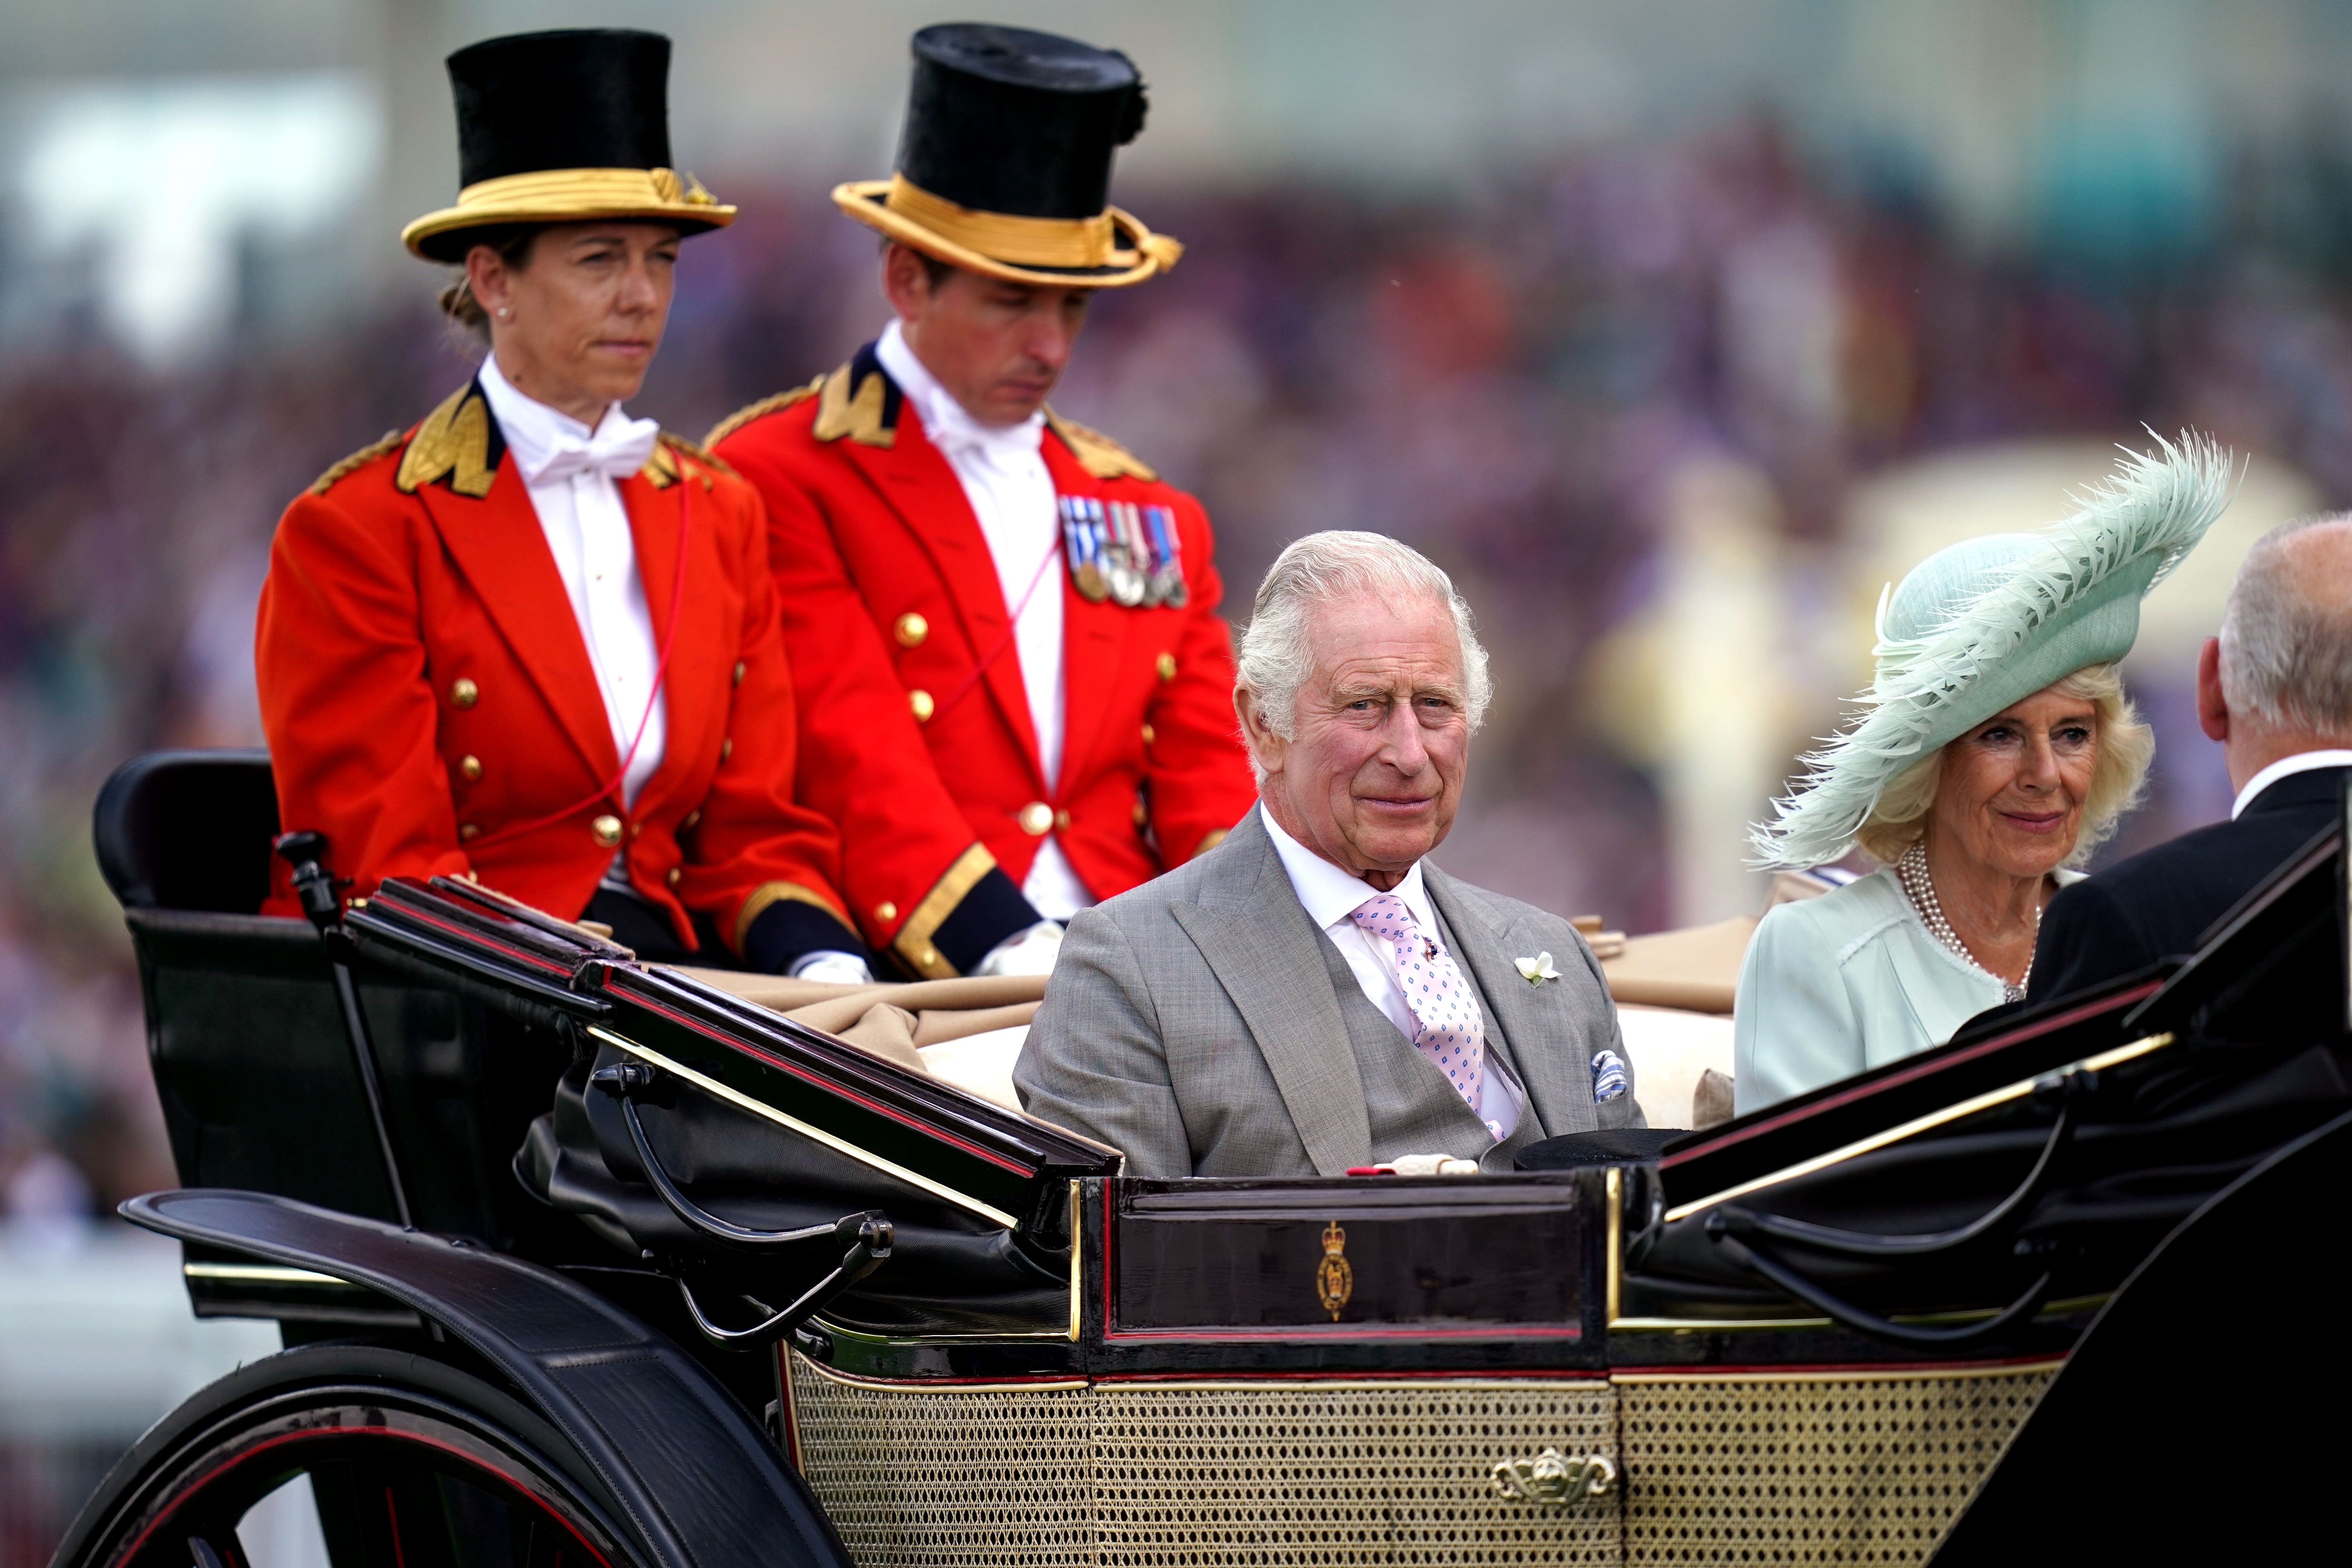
1335,1280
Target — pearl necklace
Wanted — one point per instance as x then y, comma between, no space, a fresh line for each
1920,888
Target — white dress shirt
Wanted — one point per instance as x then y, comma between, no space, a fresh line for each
1331,896
1005,478
568,471
573,474
2302,762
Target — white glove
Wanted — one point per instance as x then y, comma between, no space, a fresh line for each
1429,1165
1031,951
831,968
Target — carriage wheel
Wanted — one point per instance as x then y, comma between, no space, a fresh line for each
413,1464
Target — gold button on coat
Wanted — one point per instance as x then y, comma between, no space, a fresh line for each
919,704
1149,734
726,748
607,831
467,830
470,768
1167,667
738,672
1142,813
692,818
464,692
885,912
675,873
911,630
1036,819
1062,820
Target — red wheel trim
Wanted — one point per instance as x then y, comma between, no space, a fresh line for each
308,1434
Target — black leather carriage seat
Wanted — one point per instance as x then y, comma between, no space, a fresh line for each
189,830
246,1038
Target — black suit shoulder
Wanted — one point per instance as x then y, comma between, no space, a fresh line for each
2161,902
2151,906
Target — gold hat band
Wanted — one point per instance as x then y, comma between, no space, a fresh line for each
556,195
586,190
1024,241
1106,251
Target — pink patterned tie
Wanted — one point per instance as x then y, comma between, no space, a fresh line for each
1448,1030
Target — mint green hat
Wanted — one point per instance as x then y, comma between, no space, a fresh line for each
1989,621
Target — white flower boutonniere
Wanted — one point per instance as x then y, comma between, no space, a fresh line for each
1538,969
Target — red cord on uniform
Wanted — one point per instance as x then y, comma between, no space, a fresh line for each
611,786
939,710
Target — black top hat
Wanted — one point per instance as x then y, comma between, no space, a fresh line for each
1005,166
561,126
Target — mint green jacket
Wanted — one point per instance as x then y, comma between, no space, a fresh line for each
1841,983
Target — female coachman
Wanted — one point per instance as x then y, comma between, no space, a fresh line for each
531,640
1996,750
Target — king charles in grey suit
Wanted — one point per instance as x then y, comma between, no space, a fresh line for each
1311,994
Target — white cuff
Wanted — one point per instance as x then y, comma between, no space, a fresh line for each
831,968
1031,951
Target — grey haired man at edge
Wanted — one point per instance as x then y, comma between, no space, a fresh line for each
1313,996
2275,689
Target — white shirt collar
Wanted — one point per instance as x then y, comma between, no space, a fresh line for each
950,428
2302,762
1330,893
533,430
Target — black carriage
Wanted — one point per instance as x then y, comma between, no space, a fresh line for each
581,1259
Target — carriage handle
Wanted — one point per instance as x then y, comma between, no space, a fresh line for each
867,1252
1847,1313
870,1235
2072,1089
627,1080
1742,1233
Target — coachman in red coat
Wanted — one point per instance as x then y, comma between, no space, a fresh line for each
541,650
1013,687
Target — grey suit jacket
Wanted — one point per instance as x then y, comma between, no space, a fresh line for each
1195,1024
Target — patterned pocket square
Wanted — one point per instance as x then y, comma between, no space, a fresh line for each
1608,1076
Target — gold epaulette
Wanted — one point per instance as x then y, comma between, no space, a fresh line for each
760,410
1098,453
855,411
356,461
454,440
664,469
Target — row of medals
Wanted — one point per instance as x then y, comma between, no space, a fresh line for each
1111,569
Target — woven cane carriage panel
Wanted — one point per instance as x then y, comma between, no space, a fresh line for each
1355,1473
1810,1468
980,1476
1343,1474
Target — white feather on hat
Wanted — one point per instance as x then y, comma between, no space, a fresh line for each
1987,622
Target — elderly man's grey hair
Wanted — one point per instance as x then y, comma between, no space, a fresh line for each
1276,656
2287,637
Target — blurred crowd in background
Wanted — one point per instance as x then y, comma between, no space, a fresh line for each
1672,328
1519,377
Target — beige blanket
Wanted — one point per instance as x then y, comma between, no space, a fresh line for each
895,1021
1696,969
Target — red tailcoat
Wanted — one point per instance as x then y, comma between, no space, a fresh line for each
425,686
890,601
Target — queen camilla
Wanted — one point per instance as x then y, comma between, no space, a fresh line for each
1996,751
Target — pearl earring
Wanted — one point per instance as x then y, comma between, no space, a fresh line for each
504,313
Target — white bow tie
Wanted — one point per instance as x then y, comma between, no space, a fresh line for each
619,448
1006,450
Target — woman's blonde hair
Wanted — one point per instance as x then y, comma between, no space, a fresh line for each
2118,775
